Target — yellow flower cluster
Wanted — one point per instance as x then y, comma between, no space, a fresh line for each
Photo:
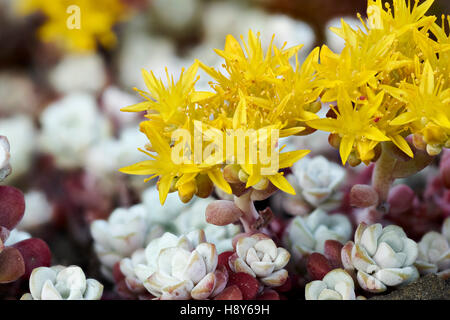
96,19
257,97
391,80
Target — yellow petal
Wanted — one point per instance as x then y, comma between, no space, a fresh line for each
217,178
146,167
164,187
281,183
138,107
401,143
345,148
287,159
201,95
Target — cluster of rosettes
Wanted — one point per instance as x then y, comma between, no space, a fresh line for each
77,25
390,81
258,98
189,267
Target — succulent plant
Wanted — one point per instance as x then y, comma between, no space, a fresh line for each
174,267
434,251
259,256
62,283
75,115
305,235
17,259
317,181
125,231
5,167
193,218
382,257
159,213
335,285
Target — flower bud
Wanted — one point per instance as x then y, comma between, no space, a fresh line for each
231,173
204,186
400,199
334,140
243,176
261,185
222,212
353,159
433,150
313,107
363,196
418,142
186,191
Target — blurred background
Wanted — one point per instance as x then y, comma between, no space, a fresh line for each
60,97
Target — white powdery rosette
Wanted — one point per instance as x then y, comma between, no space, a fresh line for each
336,285
62,283
306,235
176,268
259,256
316,180
382,257
434,251
125,231
71,126
163,214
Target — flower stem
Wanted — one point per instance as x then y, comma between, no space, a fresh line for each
382,177
250,216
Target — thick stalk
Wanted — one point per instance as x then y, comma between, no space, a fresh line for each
382,177
250,214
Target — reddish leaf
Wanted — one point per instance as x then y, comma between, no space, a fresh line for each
230,293
35,252
332,251
248,285
269,294
117,273
286,286
318,266
223,259
12,206
12,265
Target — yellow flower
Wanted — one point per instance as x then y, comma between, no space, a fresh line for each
356,125
97,18
261,99
428,107
170,173
172,102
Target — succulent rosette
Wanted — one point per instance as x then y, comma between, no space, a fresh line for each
316,181
62,283
177,268
163,214
434,251
382,257
125,231
305,235
259,256
335,285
